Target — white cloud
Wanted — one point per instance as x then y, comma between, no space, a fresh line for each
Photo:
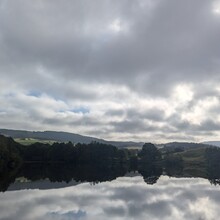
216,7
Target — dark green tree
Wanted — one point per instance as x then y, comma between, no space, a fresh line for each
149,165
149,153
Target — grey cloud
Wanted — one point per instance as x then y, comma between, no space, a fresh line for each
209,125
154,114
69,120
157,49
132,126
115,112
164,207
68,51
178,124
115,211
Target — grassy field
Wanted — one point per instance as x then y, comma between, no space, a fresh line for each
194,161
28,141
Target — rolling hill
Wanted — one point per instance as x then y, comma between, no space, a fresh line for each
59,136
213,143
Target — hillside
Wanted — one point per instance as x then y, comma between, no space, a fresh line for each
213,143
30,137
179,146
55,136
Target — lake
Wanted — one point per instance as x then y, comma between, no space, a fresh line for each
124,197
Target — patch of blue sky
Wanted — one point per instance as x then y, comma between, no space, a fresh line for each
83,110
34,93
2,111
69,215
39,94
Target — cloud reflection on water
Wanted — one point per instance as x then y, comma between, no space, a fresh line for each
123,198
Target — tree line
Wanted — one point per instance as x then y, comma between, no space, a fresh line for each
12,154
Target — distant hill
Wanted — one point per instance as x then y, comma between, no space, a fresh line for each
213,143
182,145
59,136
21,184
64,137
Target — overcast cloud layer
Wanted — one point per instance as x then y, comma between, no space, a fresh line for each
144,70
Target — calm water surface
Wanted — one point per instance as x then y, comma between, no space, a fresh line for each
128,197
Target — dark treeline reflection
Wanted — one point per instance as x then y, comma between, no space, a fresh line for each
62,172
67,173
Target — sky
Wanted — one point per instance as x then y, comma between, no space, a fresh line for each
141,70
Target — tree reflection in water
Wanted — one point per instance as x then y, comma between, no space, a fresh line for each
94,174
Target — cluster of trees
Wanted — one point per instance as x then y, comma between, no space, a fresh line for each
9,153
146,160
93,153
150,163
10,161
12,153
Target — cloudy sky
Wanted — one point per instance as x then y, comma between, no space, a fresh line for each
143,70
